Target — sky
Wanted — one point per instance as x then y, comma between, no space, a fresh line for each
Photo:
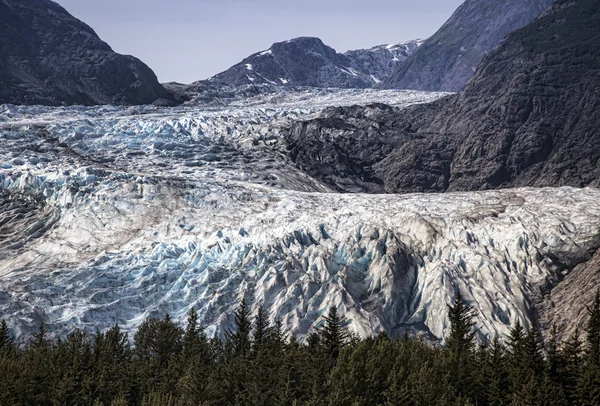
189,40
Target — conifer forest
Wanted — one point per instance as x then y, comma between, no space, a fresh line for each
260,364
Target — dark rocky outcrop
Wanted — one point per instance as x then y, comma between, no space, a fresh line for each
529,117
49,57
306,61
447,60
381,61
565,306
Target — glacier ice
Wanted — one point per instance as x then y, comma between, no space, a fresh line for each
111,215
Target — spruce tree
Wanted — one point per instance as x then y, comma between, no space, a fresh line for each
194,343
554,359
496,375
593,331
550,394
588,386
40,339
461,340
239,341
516,358
461,344
6,342
533,348
334,333
262,328
572,355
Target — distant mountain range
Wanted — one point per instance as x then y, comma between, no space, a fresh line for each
307,61
47,56
50,57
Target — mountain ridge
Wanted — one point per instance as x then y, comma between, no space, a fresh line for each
49,57
307,61
448,59
515,124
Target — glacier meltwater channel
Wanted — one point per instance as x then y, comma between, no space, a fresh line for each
112,215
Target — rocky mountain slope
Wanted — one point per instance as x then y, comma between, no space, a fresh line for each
306,61
448,59
49,57
529,117
380,61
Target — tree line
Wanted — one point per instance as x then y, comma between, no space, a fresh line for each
258,364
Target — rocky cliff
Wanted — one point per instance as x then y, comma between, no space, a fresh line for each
381,61
49,57
448,59
529,117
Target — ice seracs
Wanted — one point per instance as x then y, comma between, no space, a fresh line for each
137,212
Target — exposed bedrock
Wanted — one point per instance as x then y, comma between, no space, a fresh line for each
529,117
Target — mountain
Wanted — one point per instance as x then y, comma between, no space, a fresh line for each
380,61
447,60
306,61
49,57
529,117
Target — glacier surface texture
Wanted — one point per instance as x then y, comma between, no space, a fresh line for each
112,215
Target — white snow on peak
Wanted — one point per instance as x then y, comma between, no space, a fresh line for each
267,52
284,81
249,66
376,80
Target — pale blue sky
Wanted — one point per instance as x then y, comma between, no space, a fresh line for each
188,40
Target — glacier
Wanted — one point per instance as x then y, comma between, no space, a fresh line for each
115,214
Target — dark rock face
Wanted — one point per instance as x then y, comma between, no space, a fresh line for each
306,61
529,117
381,61
49,57
447,60
565,306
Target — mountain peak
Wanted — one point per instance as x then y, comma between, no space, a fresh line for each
447,60
307,61
50,57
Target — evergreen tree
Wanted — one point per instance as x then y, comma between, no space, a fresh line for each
6,342
516,358
461,340
194,343
571,373
334,333
238,341
496,376
588,386
460,344
554,359
593,331
533,348
40,339
262,329
158,347
527,393
112,357
550,394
